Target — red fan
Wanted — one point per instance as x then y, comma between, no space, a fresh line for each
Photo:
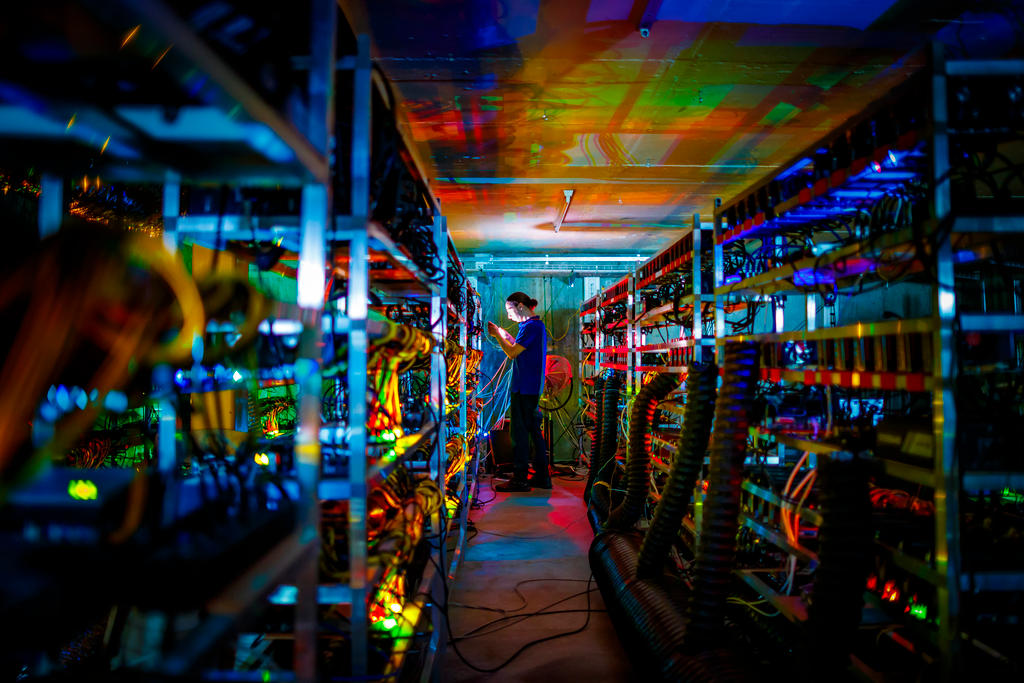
557,384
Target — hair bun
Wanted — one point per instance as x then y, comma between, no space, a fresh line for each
522,298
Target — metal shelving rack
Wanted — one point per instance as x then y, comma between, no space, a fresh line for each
856,349
589,367
436,575
272,151
470,340
689,256
686,259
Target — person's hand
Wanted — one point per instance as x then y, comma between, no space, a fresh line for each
493,329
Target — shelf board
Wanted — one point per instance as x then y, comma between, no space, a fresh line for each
779,279
812,516
326,594
684,260
615,299
339,488
991,322
985,67
779,540
664,443
912,473
801,444
671,406
790,606
911,564
823,188
978,480
994,581
679,343
676,369
391,269
660,314
658,464
851,379
857,330
988,224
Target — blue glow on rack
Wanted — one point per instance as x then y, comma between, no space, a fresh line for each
860,194
893,175
808,277
794,168
824,248
965,256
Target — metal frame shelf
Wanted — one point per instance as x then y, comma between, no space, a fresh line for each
923,151
258,145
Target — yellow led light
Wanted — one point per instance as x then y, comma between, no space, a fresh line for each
396,608
82,489
262,459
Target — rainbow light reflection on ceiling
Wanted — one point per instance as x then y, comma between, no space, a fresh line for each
514,101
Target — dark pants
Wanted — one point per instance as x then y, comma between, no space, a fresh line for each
526,427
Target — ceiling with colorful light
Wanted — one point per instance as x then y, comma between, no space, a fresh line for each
647,109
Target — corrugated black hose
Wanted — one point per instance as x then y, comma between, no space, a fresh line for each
638,462
649,616
716,549
595,434
701,390
845,540
600,493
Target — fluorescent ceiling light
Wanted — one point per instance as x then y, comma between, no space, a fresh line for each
565,209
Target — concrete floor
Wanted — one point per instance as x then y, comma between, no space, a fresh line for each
524,536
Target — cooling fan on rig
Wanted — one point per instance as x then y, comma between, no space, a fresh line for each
557,383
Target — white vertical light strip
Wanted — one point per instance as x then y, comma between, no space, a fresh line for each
312,257
172,210
812,313
51,204
780,315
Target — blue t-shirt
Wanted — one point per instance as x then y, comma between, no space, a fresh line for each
528,366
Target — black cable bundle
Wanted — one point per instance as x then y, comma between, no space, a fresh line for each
456,285
701,381
417,236
471,315
595,433
845,539
716,550
638,462
600,492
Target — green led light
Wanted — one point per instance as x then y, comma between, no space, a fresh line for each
919,611
389,623
266,676
82,489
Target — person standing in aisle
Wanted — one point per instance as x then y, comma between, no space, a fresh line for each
528,351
